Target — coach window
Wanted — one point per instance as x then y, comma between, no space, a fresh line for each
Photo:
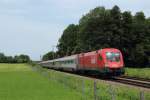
69,61
64,62
72,61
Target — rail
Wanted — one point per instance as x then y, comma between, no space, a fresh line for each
133,81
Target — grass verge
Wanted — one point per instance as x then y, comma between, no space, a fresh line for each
138,72
103,91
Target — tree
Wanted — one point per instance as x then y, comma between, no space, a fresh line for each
68,40
147,40
138,56
102,28
127,36
116,27
49,56
92,35
22,58
17,59
2,58
10,59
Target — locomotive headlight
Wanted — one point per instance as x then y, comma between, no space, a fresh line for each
106,65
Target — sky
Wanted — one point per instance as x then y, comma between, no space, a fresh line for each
33,27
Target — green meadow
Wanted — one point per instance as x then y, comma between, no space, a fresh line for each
20,82
23,82
138,72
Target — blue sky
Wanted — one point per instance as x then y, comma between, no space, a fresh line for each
33,26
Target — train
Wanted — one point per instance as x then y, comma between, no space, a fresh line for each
107,61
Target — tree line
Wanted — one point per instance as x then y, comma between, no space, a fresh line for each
108,28
16,59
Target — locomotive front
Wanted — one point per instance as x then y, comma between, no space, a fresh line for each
113,61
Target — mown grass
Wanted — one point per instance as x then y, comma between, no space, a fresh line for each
138,72
19,82
104,90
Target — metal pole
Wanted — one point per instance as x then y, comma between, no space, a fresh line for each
53,47
142,95
83,88
40,58
112,92
95,90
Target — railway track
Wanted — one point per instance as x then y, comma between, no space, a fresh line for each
133,81
135,78
139,82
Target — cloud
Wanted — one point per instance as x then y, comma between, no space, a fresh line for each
20,35
33,26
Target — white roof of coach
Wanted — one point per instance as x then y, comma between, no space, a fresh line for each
61,59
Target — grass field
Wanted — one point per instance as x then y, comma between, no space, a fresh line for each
138,72
19,82
104,89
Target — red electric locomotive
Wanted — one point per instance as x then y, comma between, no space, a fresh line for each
105,61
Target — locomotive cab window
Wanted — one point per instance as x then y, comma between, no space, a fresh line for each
113,56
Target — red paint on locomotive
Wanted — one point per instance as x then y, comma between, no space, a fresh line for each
105,58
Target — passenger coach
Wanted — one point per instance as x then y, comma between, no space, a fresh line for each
105,61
